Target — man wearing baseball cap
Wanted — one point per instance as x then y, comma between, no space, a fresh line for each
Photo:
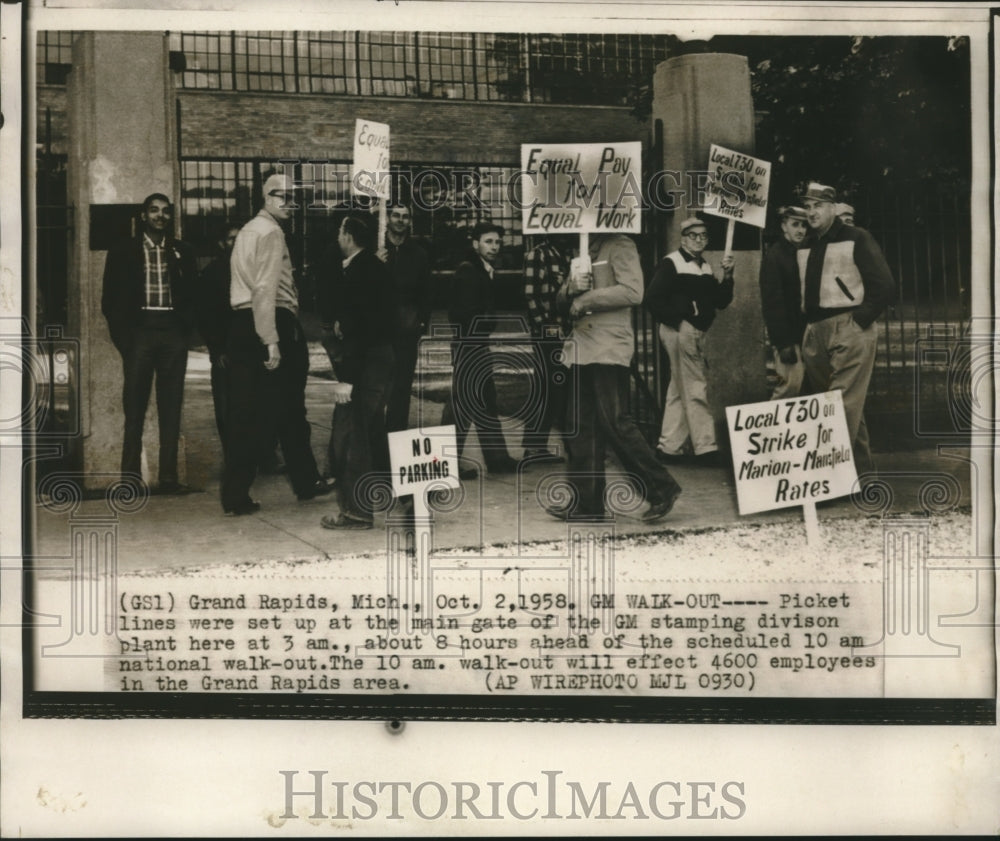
268,358
781,301
683,297
846,285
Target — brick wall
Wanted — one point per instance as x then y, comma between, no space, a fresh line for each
217,124
226,125
52,98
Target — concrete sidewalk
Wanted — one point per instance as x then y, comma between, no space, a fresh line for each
176,532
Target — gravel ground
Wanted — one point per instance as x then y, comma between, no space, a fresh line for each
852,549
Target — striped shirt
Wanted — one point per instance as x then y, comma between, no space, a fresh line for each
157,275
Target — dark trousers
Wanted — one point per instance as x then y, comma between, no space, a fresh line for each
553,377
404,348
263,403
599,395
358,442
220,397
158,350
474,400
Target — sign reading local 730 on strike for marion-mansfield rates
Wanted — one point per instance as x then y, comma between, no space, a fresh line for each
790,452
578,188
738,186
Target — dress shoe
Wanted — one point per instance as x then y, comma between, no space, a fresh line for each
709,459
173,488
671,458
539,456
321,488
659,510
346,521
249,506
561,512
503,465
467,474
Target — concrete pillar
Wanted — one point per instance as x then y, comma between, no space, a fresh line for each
122,147
702,99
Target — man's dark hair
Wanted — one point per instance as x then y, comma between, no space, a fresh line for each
392,204
483,228
148,201
359,230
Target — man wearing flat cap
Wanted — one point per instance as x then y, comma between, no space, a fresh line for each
846,285
268,358
781,301
845,213
683,297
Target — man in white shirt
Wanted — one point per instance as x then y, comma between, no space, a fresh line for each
268,358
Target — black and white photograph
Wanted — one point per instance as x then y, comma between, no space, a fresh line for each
498,418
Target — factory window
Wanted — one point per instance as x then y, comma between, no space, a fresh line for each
501,67
54,57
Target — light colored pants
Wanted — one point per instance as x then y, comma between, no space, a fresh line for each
839,356
686,414
789,377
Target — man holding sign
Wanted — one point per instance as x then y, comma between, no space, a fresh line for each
363,313
601,347
683,298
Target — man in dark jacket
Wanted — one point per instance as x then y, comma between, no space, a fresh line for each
683,297
473,391
363,313
410,270
546,268
148,301
781,302
846,285
214,315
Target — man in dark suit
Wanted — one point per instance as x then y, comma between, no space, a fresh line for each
148,301
473,392
363,318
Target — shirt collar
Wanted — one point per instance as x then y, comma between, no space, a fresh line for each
689,257
488,266
148,242
347,260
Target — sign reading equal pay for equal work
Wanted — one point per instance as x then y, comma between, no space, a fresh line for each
790,452
578,188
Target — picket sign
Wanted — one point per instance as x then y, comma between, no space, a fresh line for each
581,188
370,171
739,184
791,452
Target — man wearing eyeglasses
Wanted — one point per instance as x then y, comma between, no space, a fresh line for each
268,358
683,297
